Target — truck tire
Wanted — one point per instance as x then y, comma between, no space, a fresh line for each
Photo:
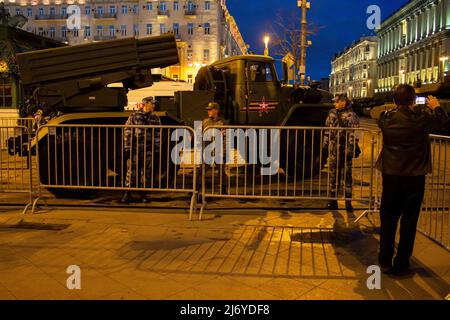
60,167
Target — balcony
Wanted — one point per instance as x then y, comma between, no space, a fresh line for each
103,38
163,13
105,15
51,17
190,13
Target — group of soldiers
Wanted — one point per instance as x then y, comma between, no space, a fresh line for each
141,142
339,146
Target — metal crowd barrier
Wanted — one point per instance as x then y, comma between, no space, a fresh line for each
76,158
16,169
434,220
300,172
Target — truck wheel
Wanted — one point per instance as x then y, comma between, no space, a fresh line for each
64,164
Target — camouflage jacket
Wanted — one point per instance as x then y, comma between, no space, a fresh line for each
209,122
142,136
345,118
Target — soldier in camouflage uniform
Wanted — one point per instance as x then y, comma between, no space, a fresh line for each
340,147
214,119
138,145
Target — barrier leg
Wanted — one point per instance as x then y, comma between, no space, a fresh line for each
202,208
35,204
193,205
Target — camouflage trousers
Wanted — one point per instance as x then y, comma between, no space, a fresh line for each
340,173
139,164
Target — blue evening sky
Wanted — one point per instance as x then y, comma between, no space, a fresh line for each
340,22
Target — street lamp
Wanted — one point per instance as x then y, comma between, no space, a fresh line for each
444,60
266,43
402,76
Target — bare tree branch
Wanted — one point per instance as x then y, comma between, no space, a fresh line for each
286,36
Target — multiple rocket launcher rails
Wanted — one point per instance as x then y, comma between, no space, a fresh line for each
75,78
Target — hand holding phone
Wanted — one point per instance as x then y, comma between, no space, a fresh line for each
433,102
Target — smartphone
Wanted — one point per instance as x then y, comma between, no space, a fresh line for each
421,101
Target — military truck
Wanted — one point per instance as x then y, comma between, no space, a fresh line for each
71,85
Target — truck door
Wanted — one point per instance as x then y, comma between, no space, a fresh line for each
263,106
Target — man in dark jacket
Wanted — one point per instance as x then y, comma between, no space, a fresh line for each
404,161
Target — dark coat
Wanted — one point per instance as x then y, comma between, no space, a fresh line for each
406,144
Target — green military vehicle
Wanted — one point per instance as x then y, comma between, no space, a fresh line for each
71,85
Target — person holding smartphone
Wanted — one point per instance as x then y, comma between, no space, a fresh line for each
404,162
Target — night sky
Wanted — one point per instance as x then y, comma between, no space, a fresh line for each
340,22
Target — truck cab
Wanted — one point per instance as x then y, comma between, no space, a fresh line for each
254,90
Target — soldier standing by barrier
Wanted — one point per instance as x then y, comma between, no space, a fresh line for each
341,146
139,144
214,119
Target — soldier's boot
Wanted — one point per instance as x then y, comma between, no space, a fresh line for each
348,206
125,197
332,205
144,197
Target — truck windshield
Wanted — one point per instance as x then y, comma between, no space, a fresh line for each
260,72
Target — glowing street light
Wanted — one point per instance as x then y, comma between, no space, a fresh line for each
443,60
266,43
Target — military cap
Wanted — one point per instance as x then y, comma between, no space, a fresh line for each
213,105
149,99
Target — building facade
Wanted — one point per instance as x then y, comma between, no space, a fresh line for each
414,45
354,70
204,29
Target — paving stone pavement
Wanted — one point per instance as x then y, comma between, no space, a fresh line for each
256,254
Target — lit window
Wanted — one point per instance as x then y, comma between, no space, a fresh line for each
64,32
100,11
206,54
207,28
112,31
162,28
176,29
149,28
190,28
